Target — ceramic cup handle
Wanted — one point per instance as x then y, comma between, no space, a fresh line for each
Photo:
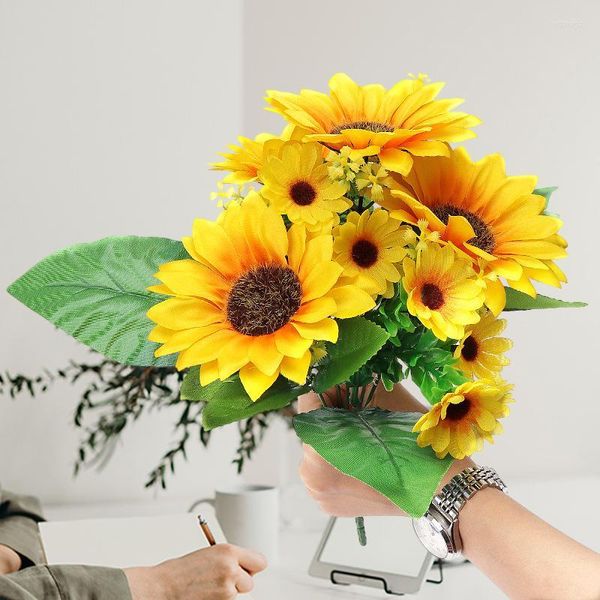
197,503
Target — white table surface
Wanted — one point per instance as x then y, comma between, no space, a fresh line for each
289,578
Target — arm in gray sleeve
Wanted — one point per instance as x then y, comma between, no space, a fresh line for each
68,582
19,516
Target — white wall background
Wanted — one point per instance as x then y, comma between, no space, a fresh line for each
109,113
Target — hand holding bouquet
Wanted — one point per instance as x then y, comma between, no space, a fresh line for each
356,248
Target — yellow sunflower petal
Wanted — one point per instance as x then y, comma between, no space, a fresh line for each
255,382
184,313
315,310
351,301
495,296
209,372
327,330
296,369
265,355
214,246
204,350
320,280
180,340
396,160
290,343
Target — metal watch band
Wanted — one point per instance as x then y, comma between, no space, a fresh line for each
462,487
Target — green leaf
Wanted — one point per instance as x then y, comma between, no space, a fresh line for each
377,447
516,300
97,293
434,383
227,401
546,192
358,341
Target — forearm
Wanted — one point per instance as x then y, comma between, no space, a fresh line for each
523,555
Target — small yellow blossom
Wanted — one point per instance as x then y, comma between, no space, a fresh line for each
372,180
341,166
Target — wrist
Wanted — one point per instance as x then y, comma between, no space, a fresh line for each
10,561
146,583
455,468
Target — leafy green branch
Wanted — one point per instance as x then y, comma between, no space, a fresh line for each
114,396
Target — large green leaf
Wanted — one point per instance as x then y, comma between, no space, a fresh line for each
358,341
97,293
377,447
227,401
516,300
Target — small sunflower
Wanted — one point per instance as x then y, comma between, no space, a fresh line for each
480,353
252,298
495,219
393,124
369,247
297,184
244,161
464,418
444,292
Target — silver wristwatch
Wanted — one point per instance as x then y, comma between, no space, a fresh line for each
438,528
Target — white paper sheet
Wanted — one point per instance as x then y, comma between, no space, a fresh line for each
127,541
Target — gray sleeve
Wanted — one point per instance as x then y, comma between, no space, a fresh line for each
19,516
69,582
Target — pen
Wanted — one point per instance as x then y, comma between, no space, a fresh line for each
210,538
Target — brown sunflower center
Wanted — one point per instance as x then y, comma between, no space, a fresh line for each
364,253
302,193
470,349
455,412
431,296
263,300
484,238
373,126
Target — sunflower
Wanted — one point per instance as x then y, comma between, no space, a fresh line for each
369,247
444,292
464,418
252,298
246,160
495,219
481,352
392,124
297,184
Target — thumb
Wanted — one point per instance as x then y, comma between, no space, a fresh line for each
308,402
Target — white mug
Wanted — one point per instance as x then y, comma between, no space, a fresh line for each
249,516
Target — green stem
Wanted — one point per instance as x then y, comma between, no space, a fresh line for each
360,530
363,391
372,391
339,395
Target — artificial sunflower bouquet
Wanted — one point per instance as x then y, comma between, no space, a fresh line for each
357,248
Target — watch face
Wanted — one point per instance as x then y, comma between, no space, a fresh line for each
431,537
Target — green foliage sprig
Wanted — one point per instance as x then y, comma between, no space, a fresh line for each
114,396
412,351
